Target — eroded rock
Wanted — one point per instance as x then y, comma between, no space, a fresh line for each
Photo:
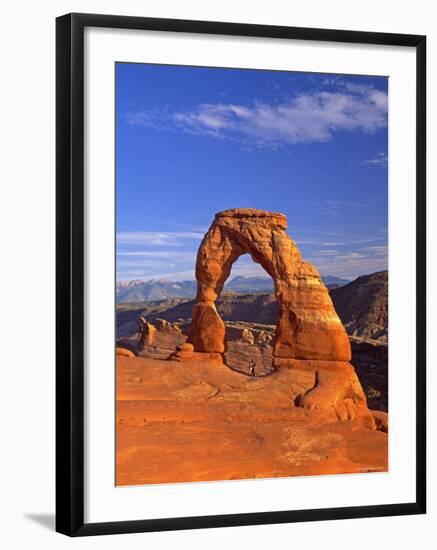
307,325
264,338
146,333
381,420
124,352
309,342
336,388
247,336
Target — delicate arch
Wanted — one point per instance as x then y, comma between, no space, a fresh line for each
307,325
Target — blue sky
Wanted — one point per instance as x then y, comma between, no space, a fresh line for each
191,141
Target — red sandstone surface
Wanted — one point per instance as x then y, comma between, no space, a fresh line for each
201,421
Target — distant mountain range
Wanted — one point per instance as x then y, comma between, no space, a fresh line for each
155,289
242,284
162,289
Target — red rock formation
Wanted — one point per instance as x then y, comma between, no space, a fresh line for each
308,330
381,420
123,352
146,333
307,325
185,352
336,388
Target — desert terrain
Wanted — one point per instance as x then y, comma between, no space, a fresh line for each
235,385
200,421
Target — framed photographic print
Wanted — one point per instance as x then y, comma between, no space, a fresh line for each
240,274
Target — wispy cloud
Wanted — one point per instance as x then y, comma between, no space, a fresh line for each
350,263
350,267
145,275
157,254
157,238
379,160
161,254
343,204
335,207
304,118
348,258
145,264
347,242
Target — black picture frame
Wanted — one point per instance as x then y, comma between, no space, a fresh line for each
70,273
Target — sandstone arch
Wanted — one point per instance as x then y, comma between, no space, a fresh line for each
307,325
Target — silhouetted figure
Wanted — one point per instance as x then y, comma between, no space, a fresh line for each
252,366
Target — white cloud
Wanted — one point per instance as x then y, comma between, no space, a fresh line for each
149,264
306,118
377,249
351,263
146,276
157,238
379,160
140,257
334,207
158,254
246,267
343,204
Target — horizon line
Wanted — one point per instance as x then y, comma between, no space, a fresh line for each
266,277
